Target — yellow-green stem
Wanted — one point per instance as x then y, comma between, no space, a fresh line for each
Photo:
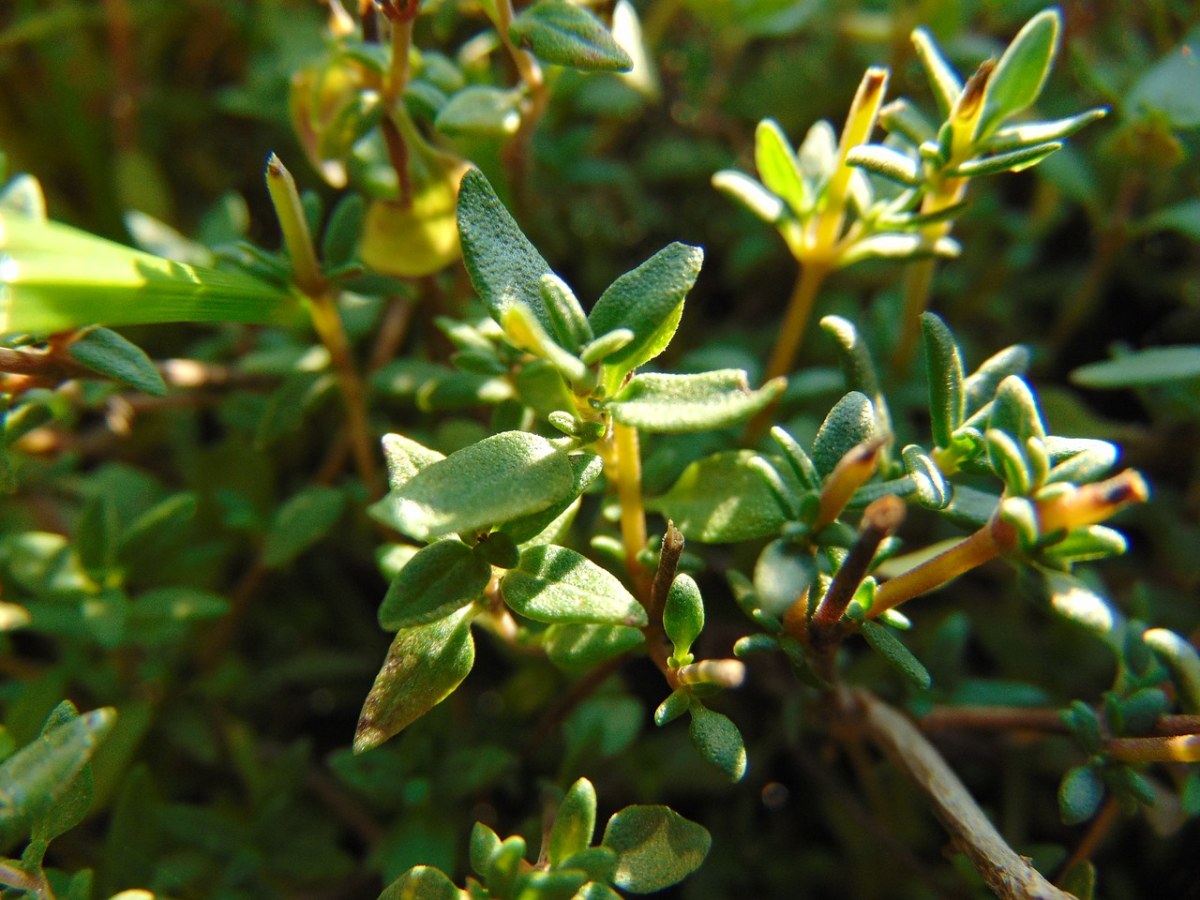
296,238
633,513
401,44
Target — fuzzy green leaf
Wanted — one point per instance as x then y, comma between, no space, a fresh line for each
897,246
577,648
851,421
422,883
423,667
574,823
896,655
498,479
854,357
1158,365
57,278
981,385
672,404
718,740
1080,794
302,521
585,469
340,241
656,847
504,267
683,615
886,163
932,489
944,368
563,34
1028,134
405,458
1074,600
946,84
480,111
649,302
783,572
41,774
744,508
554,584
779,167
677,703
1021,72
441,578
111,355
1012,161
571,328
1016,411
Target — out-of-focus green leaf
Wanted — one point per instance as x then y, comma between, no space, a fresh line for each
656,847
896,655
481,111
57,278
423,667
1080,794
302,521
1171,87
106,352
574,823
577,647
1158,365
422,883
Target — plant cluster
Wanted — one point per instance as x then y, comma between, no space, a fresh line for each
613,510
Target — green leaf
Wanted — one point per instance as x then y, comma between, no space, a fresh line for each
340,241
783,572
677,703
752,195
932,489
1158,365
649,302
1182,661
673,404
1016,411
423,667
1074,600
779,167
981,385
577,648
896,246
571,328
554,584
1079,881
41,774
422,883
585,469
896,655
405,458
114,357
1027,134
480,111
563,34
75,798
1021,72
944,370
656,847
851,421
1170,88
574,823
946,84
683,615
718,740
96,536
1012,161
441,578
744,508
302,521
595,890
1080,794
485,843
854,357
58,278
498,479
505,868
886,163
504,267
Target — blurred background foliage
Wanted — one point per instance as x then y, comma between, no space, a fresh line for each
228,773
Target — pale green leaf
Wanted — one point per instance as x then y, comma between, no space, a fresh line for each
480,111
779,167
671,404
554,584
574,823
502,477
1157,365
1171,87
752,195
1021,72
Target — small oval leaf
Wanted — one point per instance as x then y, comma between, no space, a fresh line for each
554,584
656,847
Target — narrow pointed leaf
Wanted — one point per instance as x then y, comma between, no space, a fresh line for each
980,386
942,78
899,657
901,117
1012,161
554,584
423,667
571,327
944,370
74,798
649,302
1022,70
561,33
441,578
672,404
106,352
886,163
504,267
656,847
1028,134
932,490
57,278
1157,365
498,479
